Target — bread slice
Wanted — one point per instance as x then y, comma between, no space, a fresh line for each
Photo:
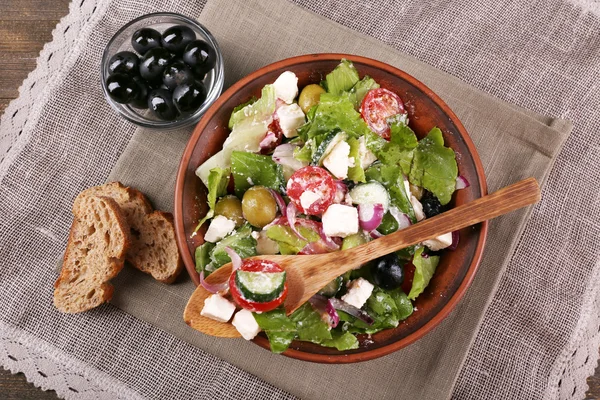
98,241
153,249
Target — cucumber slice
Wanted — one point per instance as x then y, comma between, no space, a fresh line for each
332,287
260,287
371,193
332,138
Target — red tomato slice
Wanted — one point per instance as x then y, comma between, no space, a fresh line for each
409,274
272,138
257,266
312,179
377,106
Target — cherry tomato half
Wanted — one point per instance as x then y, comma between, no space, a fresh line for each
257,266
312,179
377,106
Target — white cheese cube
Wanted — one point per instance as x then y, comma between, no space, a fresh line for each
291,118
308,198
218,308
359,290
219,227
440,242
340,220
365,155
286,86
337,161
246,325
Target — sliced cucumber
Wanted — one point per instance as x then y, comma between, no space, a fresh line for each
332,287
323,150
371,193
260,287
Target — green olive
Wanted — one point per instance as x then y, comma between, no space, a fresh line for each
231,208
258,206
310,96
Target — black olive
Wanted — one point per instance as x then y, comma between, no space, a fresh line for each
431,205
200,56
176,38
121,88
160,102
387,272
124,62
188,97
145,39
141,100
177,73
153,63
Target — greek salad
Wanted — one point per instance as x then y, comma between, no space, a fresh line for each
331,168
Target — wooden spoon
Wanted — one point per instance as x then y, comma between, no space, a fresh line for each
306,275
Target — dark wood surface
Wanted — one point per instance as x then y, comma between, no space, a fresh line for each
25,25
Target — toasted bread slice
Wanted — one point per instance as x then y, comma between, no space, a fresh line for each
153,249
98,241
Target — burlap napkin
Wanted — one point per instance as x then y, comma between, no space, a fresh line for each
512,143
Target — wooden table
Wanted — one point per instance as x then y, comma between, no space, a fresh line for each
25,25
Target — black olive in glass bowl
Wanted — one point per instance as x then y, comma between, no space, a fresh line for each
145,39
200,56
177,37
387,272
153,63
176,74
161,103
124,62
188,97
141,100
122,88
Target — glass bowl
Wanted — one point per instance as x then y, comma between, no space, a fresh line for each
121,41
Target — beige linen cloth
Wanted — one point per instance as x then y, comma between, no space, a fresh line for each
519,348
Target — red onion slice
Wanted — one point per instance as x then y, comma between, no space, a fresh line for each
284,155
324,307
213,288
402,219
455,240
267,142
291,217
280,202
375,234
236,260
462,182
340,192
318,227
350,309
370,216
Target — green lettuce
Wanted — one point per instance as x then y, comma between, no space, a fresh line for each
288,241
434,166
359,91
424,270
399,150
237,108
218,179
390,177
251,169
342,78
241,242
280,329
355,173
341,341
310,326
259,110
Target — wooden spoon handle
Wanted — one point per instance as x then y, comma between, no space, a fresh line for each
505,200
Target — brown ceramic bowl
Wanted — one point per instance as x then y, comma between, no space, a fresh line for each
426,110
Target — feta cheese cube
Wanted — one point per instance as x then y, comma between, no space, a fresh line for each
218,308
340,220
308,198
337,161
440,242
291,118
286,86
365,155
219,228
265,245
246,325
359,290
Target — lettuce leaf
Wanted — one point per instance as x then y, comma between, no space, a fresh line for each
202,256
309,324
288,241
341,341
251,169
237,108
424,270
280,329
399,150
241,242
342,78
390,177
359,91
356,173
259,110
434,166
218,179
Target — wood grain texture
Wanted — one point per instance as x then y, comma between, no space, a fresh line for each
25,26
